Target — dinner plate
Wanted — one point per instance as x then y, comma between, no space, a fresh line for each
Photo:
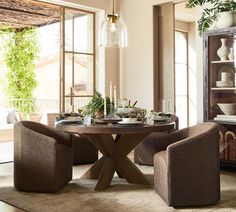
161,118
130,123
106,121
70,121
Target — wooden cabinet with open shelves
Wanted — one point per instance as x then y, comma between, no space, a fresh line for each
215,93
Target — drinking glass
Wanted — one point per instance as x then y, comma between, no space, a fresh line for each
87,120
150,119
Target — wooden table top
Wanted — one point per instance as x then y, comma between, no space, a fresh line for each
116,129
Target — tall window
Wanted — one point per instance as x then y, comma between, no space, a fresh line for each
181,78
78,59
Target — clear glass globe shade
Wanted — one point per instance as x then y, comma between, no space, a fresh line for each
113,34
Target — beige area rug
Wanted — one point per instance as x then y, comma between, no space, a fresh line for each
79,195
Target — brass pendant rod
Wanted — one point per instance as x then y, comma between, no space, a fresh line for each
113,7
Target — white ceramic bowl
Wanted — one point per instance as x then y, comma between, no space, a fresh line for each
224,83
129,120
125,109
228,108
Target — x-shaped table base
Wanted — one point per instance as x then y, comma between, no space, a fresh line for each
115,159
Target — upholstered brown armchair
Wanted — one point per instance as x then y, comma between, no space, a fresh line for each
187,166
84,152
42,157
144,152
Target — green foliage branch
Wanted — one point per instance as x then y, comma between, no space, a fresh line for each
21,49
96,105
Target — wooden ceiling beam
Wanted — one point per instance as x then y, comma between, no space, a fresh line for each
31,6
25,18
27,13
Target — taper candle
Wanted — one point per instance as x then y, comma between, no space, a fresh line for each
110,92
115,97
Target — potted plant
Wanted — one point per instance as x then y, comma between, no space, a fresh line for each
96,106
221,12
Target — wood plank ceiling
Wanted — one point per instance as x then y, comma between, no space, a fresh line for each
20,14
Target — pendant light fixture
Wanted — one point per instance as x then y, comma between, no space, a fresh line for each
113,32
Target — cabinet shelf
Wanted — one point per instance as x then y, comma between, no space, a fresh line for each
223,89
222,61
223,122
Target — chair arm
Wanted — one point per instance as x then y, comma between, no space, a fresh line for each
46,132
162,141
63,137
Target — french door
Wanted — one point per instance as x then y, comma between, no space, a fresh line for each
77,58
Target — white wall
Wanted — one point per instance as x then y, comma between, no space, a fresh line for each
136,71
137,59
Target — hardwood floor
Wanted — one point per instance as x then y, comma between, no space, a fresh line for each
8,208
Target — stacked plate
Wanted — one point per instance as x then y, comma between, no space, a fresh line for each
130,122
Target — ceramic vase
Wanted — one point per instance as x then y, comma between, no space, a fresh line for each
225,19
223,51
231,54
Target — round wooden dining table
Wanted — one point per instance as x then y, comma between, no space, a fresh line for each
115,142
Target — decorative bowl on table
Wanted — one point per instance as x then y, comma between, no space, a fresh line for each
161,116
228,108
129,120
125,109
123,112
133,112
